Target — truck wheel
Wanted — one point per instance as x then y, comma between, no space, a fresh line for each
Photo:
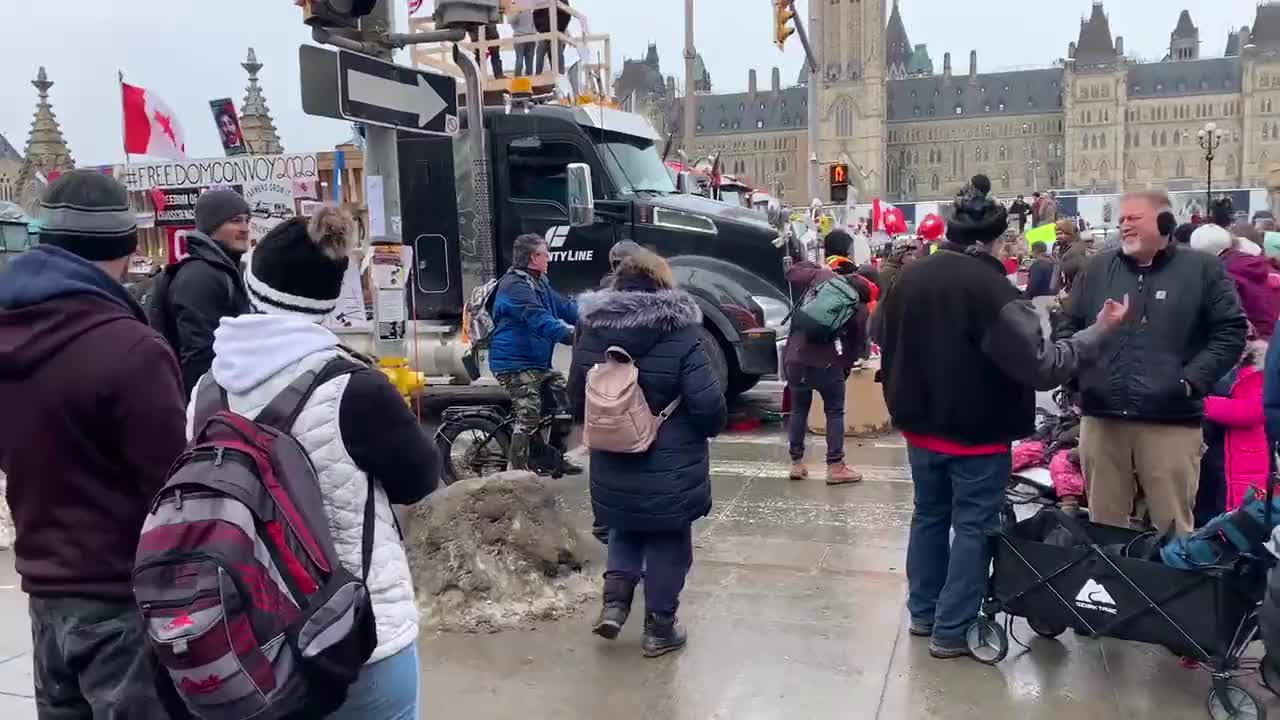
740,383
715,355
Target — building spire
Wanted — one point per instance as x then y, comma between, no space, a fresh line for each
46,148
255,119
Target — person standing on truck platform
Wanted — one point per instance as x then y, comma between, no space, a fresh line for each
206,286
823,367
961,353
529,319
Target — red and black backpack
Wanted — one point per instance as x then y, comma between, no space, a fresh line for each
245,601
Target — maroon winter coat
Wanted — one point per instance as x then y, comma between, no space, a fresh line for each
803,352
1260,300
93,418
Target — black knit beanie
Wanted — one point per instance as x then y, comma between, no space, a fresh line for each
975,217
297,268
87,213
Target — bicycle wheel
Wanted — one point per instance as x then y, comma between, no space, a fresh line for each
473,447
1232,702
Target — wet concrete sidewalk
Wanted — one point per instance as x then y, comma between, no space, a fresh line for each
795,610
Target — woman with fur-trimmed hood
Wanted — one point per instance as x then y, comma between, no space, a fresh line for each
650,500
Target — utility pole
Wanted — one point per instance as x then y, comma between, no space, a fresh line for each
690,102
380,160
815,77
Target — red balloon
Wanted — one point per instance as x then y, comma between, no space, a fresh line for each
931,227
894,222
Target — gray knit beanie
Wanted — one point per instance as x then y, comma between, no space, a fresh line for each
215,207
87,213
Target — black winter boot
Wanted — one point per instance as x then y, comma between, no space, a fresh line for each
662,634
618,592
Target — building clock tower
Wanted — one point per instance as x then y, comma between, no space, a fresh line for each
851,91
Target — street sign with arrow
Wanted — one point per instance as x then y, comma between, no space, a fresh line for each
377,92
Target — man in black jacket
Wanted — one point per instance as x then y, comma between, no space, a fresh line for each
961,356
206,286
1020,209
1144,401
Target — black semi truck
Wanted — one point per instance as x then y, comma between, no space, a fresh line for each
585,177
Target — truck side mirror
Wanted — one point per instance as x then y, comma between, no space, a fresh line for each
581,198
683,180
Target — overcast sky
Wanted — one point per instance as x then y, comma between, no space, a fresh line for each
188,52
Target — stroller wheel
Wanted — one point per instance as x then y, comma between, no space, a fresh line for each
1046,628
1229,701
1270,675
987,641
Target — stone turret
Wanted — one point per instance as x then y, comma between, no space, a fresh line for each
46,151
255,119
946,66
1184,41
898,48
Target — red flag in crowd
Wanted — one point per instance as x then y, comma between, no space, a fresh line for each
150,127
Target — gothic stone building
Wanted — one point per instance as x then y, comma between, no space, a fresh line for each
1094,121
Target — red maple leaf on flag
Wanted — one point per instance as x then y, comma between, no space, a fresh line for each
166,126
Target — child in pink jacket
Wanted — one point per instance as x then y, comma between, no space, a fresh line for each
1237,457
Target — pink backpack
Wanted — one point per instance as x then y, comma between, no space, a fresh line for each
618,418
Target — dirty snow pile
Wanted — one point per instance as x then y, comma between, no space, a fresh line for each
6,520
495,553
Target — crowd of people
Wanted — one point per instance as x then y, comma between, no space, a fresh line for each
527,18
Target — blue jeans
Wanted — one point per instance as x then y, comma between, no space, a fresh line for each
524,58
385,690
947,580
662,558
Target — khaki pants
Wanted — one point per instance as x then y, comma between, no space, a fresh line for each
1164,458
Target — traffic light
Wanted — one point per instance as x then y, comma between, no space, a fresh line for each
839,181
335,13
782,17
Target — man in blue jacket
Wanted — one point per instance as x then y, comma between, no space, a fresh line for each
529,319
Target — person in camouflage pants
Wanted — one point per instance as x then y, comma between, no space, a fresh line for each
536,394
530,318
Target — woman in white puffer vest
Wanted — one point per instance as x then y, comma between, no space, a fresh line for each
354,427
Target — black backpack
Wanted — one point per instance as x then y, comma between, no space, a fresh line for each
158,306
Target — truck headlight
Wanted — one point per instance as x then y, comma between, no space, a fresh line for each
776,313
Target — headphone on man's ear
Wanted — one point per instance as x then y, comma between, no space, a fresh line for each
1166,222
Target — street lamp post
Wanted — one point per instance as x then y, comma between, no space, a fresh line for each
1034,167
1210,140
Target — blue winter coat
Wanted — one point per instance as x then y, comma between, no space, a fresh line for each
669,486
529,318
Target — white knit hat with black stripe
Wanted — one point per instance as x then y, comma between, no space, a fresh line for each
297,268
87,213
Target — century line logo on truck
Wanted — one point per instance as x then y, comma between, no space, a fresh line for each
556,236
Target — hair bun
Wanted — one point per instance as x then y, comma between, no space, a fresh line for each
330,229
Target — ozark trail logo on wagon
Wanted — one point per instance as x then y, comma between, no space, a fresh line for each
1093,596
556,237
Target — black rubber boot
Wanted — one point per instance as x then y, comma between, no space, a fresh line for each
618,592
662,634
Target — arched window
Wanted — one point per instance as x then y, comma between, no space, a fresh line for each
1164,139
1004,180
1003,153
977,154
844,118
1181,168
1131,169
1177,138
915,157
6,190
1103,141
1155,139
933,183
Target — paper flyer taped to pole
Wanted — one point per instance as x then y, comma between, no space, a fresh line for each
1047,234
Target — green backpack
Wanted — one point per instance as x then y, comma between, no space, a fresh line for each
825,309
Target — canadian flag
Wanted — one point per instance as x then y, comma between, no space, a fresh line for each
150,127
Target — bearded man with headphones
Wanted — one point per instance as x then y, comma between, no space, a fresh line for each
1144,401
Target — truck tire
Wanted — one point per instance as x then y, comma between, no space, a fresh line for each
740,383
715,356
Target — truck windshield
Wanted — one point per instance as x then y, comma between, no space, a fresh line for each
634,165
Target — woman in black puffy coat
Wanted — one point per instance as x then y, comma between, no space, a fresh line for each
650,500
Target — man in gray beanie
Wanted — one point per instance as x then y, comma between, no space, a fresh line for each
191,297
95,417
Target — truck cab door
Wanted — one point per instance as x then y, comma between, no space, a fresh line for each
532,184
